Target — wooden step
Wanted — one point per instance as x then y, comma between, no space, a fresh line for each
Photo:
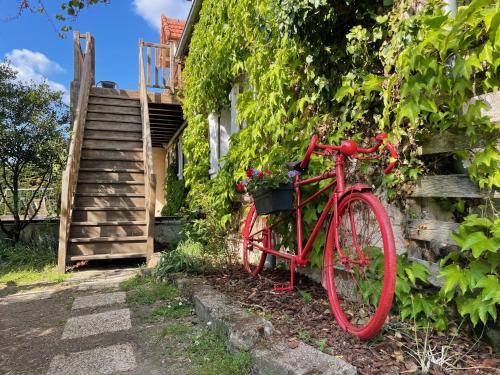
94,231
114,126
126,155
113,135
75,258
115,110
97,116
108,239
110,187
107,144
116,101
109,214
110,200
115,248
111,164
109,174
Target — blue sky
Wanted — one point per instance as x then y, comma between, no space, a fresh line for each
32,45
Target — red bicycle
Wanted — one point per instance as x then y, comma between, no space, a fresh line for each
359,261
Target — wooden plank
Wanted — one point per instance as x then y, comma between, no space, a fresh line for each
149,66
107,256
156,67
431,230
449,186
156,45
451,141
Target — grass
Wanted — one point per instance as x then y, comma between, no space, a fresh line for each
175,310
147,290
24,264
209,354
179,331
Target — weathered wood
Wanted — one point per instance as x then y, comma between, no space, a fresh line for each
115,101
431,230
113,135
449,186
113,129
149,65
106,256
156,68
98,116
451,141
108,213
149,176
96,231
75,148
102,108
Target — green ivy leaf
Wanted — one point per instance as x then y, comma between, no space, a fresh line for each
491,288
453,275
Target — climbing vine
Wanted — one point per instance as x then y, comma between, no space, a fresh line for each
340,69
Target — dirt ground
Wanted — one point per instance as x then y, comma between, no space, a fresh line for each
305,316
32,325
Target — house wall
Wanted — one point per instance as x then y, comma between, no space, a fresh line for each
159,166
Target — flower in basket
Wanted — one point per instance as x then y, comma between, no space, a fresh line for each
260,179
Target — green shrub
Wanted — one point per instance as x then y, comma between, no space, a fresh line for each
175,193
185,258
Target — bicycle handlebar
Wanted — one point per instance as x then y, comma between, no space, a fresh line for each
350,148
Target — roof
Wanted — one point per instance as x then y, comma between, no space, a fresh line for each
171,29
185,40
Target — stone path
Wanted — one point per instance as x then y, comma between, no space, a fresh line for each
84,327
101,360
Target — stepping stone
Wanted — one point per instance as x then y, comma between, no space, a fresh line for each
97,300
99,361
94,324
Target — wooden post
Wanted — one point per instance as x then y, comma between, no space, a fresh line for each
149,66
156,67
172,67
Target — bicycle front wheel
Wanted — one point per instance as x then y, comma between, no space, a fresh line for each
361,275
255,236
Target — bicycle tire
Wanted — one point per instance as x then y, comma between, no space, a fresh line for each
363,315
254,223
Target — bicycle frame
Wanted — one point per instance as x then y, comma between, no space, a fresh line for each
338,180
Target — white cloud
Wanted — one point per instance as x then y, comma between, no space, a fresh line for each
151,10
35,66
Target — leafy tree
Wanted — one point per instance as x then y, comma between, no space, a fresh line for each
69,8
32,146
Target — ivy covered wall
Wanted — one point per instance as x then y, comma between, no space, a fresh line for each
341,69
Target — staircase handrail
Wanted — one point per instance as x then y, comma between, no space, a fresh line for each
70,174
149,175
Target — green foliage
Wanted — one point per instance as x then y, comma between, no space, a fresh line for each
32,145
25,263
143,290
187,258
472,274
416,298
210,356
348,69
69,9
175,193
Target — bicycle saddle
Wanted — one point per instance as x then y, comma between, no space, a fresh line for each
295,166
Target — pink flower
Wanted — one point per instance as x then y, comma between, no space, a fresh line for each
249,172
240,187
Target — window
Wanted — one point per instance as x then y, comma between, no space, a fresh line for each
220,128
180,161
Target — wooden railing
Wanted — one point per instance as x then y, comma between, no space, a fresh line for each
159,57
84,64
149,176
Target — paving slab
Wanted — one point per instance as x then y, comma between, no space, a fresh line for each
94,324
98,300
104,360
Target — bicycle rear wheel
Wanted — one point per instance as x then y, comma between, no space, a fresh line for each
255,234
361,284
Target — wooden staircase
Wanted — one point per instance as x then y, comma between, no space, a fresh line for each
108,193
109,211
